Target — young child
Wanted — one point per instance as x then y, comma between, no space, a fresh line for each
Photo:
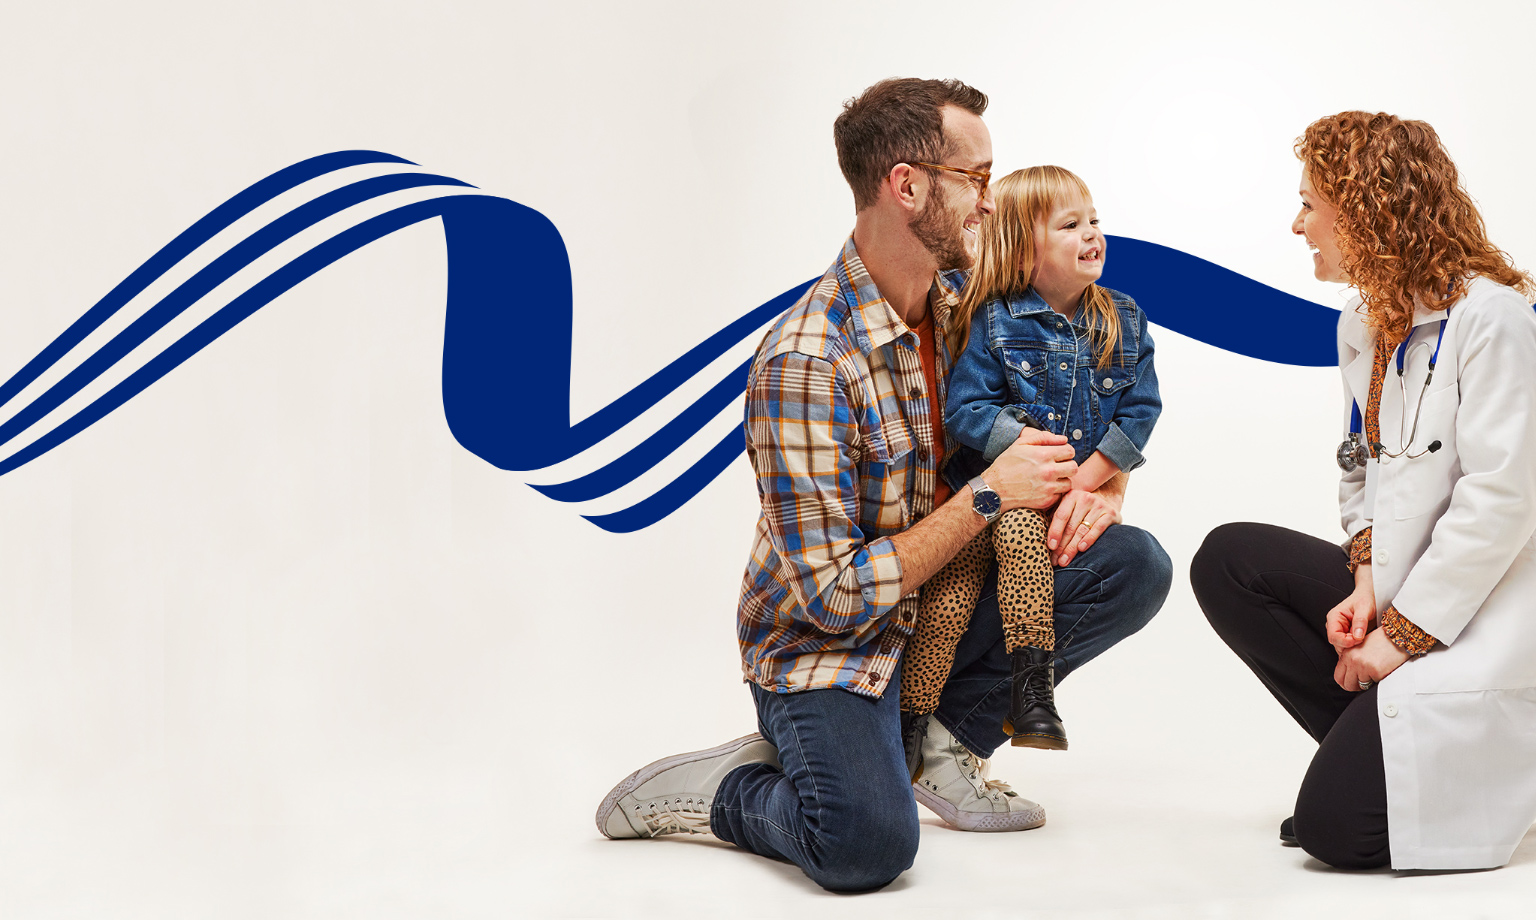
1045,347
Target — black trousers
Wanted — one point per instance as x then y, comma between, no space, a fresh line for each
1267,592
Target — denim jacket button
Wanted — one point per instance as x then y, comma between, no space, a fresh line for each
1108,383
1063,365
1050,416
1024,365
1077,434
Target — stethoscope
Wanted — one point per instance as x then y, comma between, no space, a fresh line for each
1353,452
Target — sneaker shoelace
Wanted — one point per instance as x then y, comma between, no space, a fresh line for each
977,770
993,785
685,816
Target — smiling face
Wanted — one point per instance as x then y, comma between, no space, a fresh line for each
947,221
1315,224
1069,251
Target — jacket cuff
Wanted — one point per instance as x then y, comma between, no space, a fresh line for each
1120,450
1005,430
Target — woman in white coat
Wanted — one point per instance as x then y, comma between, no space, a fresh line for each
1410,653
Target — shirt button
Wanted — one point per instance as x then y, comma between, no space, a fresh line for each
1077,434
915,393
1389,710
922,454
1381,557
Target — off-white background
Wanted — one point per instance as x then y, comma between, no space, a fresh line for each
273,645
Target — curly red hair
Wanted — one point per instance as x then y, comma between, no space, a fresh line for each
1406,229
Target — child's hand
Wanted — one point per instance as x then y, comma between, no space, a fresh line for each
1078,522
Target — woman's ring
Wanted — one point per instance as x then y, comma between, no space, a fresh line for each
1365,684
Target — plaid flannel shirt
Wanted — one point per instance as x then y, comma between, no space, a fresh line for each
841,441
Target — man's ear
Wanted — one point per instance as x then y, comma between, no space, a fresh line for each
906,185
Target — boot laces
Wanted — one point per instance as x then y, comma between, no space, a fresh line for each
1037,688
674,816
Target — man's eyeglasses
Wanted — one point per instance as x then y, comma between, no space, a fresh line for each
980,178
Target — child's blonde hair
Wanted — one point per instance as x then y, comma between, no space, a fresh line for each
1005,256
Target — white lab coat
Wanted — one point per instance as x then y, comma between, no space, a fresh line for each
1453,550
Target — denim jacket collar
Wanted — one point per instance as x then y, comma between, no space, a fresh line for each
1027,303
874,321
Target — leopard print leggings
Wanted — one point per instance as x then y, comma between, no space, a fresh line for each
1026,596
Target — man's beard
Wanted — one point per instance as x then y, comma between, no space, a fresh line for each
940,233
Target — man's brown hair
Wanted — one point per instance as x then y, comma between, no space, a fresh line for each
896,121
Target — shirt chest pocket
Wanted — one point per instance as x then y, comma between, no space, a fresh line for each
885,474
1025,369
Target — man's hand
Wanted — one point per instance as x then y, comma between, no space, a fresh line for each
1372,660
1348,622
1033,472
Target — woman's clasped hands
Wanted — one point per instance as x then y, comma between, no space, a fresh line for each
1366,655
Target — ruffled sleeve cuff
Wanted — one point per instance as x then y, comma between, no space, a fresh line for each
1360,550
1406,636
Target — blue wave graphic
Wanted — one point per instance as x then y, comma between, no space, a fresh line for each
1221,307
506,366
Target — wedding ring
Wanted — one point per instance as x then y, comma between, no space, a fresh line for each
1365,684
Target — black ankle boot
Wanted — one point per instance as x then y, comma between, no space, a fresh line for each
913,729
1032,708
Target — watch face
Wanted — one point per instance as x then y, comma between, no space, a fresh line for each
987,503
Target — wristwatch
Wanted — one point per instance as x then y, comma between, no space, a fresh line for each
987,503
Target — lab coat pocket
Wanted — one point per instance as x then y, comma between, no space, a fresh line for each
1422,484
1472,751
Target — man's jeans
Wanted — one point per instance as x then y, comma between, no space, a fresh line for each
841,808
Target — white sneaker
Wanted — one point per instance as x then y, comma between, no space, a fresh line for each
673,794
952,782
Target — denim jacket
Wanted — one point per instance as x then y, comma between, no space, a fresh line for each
1024,359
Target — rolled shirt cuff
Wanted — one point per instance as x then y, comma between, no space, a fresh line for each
1120,450
880,576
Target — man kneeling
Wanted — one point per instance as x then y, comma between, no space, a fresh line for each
844,431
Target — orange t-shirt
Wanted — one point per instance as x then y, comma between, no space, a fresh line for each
926,352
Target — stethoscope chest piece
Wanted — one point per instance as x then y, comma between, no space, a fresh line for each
1352,453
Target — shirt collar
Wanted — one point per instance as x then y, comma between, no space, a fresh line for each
875,322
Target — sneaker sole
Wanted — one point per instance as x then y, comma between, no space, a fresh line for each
648,772
984,822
